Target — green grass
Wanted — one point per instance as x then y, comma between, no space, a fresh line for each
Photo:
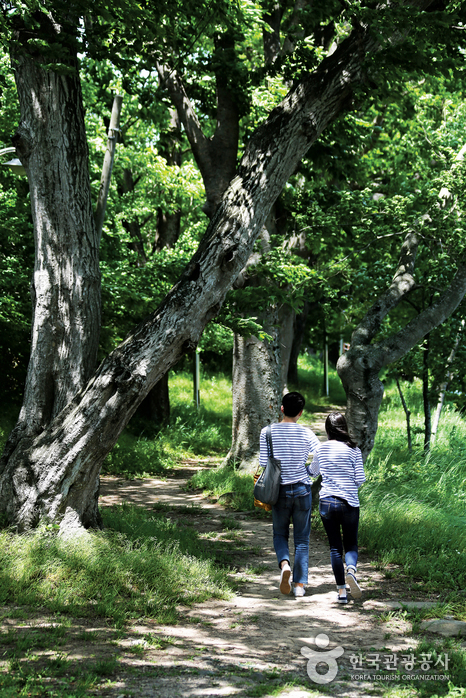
311,385
143,450
233,488
413,505
142,564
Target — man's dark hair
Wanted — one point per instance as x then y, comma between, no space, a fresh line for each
293,404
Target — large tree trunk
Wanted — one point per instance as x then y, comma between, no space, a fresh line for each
53,475
254,375
256,383
359,370
51,143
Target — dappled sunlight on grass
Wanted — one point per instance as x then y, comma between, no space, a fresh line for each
141,564
232,486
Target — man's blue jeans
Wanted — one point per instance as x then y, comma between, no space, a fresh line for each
339,517
294,502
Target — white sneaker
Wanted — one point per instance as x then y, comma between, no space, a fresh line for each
299,591
352,582
285,586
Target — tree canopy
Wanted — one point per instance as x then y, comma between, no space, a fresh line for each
298,101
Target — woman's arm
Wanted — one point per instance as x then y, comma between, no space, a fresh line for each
314,467
359,474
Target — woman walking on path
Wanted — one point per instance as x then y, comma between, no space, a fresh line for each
292,444
339,461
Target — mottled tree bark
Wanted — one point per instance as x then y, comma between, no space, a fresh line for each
51,143
256,391
65,288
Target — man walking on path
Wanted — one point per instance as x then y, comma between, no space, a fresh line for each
292,444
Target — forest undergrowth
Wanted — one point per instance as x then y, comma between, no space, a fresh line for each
412,505
143,564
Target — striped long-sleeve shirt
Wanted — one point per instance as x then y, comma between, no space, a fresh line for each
342,471
292,443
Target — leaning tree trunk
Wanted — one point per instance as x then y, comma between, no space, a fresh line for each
256,384
51,143
359,367
53,475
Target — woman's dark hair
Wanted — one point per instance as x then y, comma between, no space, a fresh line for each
337,428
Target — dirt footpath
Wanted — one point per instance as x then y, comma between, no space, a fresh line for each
259,642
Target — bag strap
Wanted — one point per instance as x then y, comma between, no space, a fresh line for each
268,436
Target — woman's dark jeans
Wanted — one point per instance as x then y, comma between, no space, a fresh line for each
294,502
338,516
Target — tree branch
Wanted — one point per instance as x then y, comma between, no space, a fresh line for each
402,283
400,343
184,107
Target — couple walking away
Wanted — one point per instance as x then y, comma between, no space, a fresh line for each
339,461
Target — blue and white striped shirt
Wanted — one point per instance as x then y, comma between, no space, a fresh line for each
292,443
342,470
